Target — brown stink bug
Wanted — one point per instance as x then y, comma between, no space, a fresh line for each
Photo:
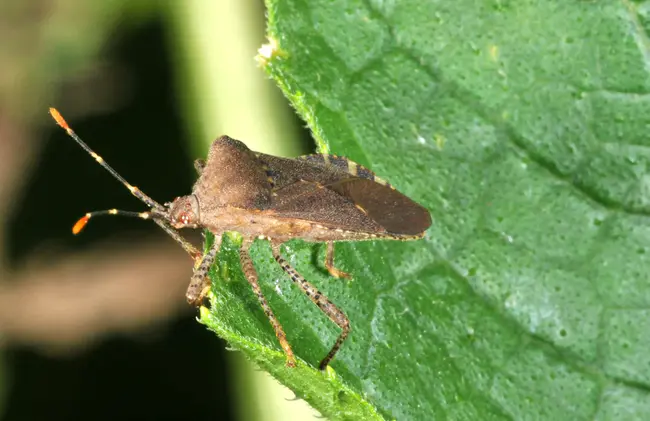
317,197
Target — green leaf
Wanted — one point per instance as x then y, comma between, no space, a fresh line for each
522,126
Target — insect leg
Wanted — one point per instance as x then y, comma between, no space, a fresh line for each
200,283
329,263
317,297
251,276
187,246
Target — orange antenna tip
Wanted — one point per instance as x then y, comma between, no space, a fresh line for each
56,115
80,224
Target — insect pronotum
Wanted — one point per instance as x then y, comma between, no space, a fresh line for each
318,197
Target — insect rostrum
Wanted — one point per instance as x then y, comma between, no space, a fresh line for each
317,197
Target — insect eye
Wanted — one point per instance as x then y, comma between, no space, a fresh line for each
185,218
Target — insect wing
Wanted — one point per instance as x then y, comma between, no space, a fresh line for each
336,192
392,210
313,202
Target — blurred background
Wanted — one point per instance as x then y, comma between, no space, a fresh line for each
96,326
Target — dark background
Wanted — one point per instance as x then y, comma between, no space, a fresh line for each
172,369
176,372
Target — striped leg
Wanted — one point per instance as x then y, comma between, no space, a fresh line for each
200,283
187,246
251,276
329,263
317,297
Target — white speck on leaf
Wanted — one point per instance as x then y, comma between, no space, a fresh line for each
277,287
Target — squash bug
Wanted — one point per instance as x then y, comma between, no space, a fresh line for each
323,198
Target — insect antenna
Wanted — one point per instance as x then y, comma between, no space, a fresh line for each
81,223
159,213
134,190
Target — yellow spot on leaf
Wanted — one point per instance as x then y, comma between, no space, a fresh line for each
440,141
494,52
330,373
